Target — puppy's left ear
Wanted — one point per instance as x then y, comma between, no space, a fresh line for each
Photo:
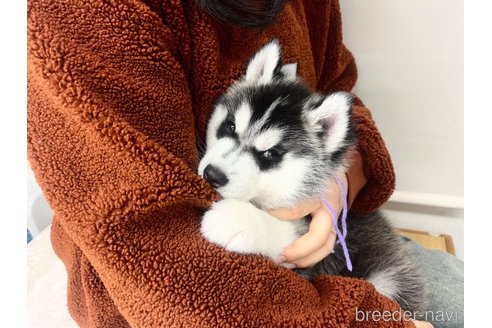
265,64
331,116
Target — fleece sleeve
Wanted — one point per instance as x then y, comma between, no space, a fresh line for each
371,177
111,139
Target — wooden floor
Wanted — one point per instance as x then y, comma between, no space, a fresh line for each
432,241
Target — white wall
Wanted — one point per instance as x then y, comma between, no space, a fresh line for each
39,213
410,61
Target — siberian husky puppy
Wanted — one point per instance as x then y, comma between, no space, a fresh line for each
272,142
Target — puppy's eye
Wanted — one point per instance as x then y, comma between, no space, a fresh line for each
270,154
230,127
269,158
227,128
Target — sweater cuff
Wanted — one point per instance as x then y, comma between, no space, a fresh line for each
377,166
357,176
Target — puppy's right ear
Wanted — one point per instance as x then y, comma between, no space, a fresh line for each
264,64
331,116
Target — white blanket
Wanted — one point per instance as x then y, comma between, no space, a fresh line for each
47,286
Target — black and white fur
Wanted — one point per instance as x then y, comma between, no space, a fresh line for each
272,142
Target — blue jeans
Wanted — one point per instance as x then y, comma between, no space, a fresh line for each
445,277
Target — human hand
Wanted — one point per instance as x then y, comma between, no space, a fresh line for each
320,239
422,324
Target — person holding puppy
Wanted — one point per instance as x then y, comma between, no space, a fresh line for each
118,98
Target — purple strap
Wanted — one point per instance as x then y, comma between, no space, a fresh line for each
341,236
345,207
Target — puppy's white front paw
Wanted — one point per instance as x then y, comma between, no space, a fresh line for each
232,225
240,227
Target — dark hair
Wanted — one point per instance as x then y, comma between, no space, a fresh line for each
256,14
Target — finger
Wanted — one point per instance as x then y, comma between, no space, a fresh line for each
318,255
297,212
318,234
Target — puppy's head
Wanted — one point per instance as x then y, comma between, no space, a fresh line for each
271,140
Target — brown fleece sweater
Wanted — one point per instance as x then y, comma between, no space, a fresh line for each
118,93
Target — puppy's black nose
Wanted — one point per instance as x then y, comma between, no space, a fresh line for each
216,177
